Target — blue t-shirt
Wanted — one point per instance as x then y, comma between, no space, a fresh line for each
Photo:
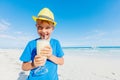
29,54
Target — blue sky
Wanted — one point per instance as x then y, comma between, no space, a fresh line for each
79,22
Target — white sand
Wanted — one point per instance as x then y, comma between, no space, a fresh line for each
10,66
90,68
75,67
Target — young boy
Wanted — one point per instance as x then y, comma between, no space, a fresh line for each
31,60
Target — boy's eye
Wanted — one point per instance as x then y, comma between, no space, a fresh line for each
39,27
48,27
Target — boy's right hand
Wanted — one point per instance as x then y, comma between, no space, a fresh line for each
39,60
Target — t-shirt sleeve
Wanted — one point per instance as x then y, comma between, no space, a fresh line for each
26,55
59,50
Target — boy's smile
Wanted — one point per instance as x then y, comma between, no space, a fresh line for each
44,29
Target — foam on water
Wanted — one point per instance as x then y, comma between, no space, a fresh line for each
103,52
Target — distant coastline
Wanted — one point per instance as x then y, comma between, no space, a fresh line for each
71,47
90,47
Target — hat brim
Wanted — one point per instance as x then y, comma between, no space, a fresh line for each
35,18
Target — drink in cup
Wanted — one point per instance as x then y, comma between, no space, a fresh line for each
41,44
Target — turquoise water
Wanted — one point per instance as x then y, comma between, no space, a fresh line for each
89,51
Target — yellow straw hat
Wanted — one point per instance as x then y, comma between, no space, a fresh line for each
45,14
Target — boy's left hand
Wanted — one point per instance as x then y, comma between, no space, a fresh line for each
47,51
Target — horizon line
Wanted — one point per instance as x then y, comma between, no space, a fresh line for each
67,47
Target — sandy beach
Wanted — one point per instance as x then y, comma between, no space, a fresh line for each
75,67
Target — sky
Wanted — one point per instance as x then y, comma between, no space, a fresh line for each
79,22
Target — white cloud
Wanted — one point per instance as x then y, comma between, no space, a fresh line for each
12,38
94,35
15,38
4,25
18,32
4,36
15,41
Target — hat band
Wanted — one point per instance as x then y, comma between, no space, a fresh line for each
42,16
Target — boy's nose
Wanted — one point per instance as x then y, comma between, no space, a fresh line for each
44,30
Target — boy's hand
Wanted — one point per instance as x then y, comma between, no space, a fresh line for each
39,60
47,51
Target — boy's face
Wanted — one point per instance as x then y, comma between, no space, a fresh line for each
44,29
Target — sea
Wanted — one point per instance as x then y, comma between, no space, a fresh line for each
102,51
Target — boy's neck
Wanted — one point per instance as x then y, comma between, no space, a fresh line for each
46,39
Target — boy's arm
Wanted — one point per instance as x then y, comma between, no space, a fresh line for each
38,61
26,66
57,60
